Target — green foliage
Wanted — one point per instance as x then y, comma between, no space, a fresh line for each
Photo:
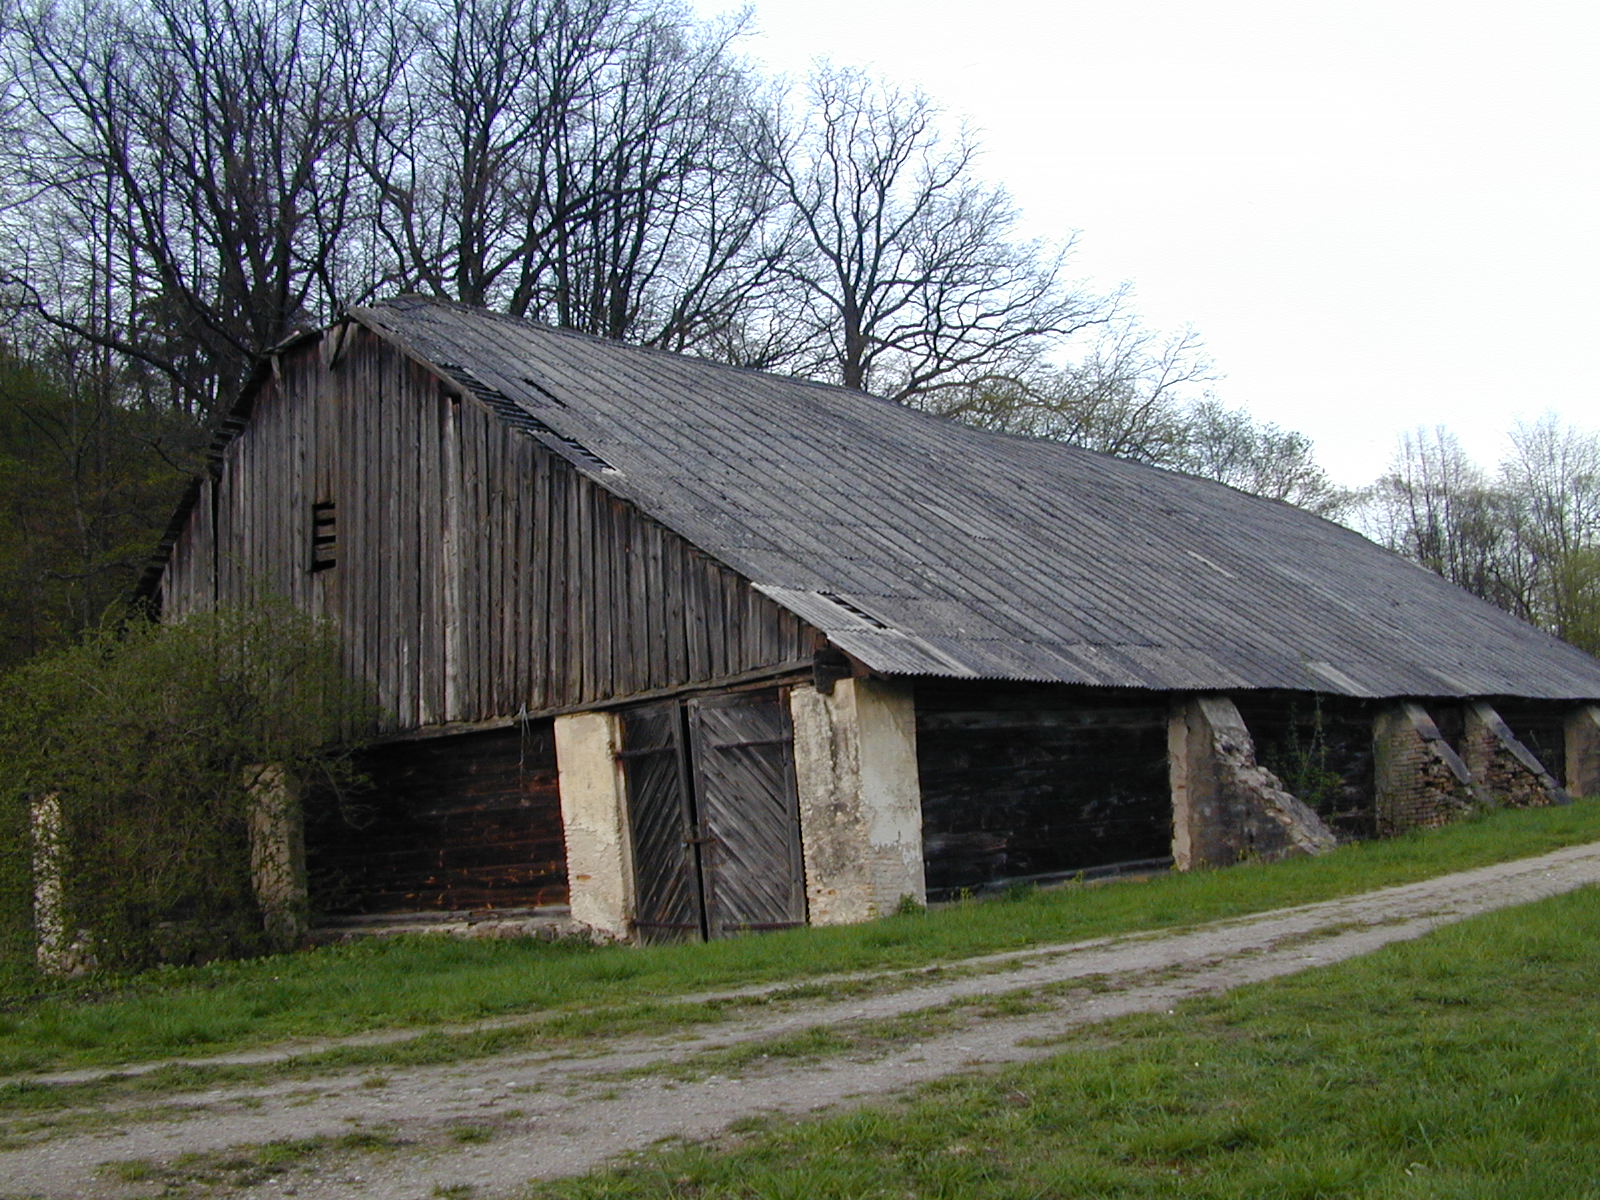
1576,598
151,736
1304,761
86,484
909,906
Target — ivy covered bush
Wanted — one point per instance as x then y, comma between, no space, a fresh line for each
149,738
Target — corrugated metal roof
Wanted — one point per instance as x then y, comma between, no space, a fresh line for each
924,547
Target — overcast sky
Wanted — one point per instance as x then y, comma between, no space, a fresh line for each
1378,215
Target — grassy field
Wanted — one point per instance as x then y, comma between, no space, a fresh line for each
424,982
1464,1065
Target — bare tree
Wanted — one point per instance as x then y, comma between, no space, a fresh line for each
1127,396
581,161
1552,477
1527,540
186,159
469,156
1438,508
911,280
1135,396
683,236
1260,457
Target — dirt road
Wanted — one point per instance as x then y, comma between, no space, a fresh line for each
483,1127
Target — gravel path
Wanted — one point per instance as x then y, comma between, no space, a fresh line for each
490,1125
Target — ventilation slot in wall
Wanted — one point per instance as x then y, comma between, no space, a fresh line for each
324,536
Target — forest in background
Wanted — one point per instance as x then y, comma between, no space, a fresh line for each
185,183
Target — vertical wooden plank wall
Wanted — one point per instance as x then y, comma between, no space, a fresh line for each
1023,780
477,573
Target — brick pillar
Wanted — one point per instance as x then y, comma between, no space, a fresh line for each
855,758
1583,750
1505,767
594,822
1225,806
1420,781
278,857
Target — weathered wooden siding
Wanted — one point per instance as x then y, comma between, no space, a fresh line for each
1021,782
477,573
465,822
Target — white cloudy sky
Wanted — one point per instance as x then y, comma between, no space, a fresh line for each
1378,215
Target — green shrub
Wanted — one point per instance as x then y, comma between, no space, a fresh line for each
150,736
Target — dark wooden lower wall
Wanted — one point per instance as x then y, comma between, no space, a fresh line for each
1024,782
1541,726
1321,748
471,821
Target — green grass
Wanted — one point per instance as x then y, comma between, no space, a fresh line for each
1464,1065
429,981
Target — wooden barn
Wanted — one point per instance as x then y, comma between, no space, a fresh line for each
686,649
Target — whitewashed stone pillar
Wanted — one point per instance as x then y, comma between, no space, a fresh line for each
54,954
594,820
1583,751
855,755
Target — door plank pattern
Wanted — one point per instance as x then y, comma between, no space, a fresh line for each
666,875
744,775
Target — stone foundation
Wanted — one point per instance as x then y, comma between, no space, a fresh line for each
1225,806
552,923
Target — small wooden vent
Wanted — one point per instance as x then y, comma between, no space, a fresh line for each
324,536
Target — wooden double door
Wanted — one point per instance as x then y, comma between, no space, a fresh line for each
713,815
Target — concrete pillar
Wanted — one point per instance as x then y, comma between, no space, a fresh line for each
1583,750
1420,781
1225,806
594,820
278,856
855,758
1502,765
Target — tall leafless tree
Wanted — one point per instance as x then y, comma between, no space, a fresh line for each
580,161
1552,477
1125,394
188,159
1259,457
1438,508
912,279
684,235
